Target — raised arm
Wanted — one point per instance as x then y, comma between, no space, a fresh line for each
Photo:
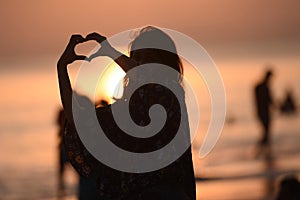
106,49
68,57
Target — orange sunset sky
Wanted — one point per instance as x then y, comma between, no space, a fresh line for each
223,27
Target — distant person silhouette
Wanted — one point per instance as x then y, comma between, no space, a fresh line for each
289,189
62,153
263,100
176,180
288,105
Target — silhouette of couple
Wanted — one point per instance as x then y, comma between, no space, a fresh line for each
174,181
264,102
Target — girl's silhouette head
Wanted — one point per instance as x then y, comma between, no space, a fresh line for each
152,45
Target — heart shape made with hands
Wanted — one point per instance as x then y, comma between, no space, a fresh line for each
88,45
87,48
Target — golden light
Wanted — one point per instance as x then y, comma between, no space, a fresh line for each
110,86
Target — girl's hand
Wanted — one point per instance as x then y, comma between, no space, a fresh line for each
105,49
69,55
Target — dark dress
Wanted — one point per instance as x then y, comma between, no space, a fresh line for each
175,181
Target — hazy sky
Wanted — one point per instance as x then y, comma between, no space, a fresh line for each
43,27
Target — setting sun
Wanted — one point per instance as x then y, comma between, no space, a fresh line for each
110,85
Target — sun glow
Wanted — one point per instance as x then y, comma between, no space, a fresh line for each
110,86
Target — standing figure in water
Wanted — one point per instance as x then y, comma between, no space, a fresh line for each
263,100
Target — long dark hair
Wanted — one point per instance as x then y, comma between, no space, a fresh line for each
152,45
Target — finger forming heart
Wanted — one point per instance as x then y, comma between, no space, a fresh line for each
86,48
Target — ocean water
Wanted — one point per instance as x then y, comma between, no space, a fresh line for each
28,134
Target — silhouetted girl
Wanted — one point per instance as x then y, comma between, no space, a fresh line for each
174,181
